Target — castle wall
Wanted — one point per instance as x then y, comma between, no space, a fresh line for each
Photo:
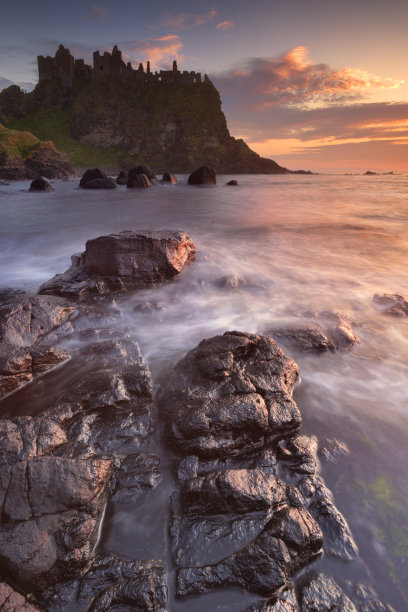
64,67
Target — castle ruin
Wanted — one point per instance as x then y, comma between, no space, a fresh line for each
64,67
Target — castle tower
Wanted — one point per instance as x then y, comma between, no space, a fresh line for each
174,66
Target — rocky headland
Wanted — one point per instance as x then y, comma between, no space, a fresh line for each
248,506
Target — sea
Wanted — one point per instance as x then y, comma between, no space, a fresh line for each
268,249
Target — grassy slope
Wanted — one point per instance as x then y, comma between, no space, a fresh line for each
14,143
49,124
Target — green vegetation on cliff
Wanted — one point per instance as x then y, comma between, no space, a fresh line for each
174,126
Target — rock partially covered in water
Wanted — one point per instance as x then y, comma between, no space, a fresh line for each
96,179
169,178
300,452
52,510
121,179
113,583
228,395
233,183
391,304
143,169
325,331
11,601
290,540
136,180
205,175
124,261
40,184
323,593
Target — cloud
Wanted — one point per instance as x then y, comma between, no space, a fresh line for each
225,25
186,21
26,86
159,51
294,80
98,13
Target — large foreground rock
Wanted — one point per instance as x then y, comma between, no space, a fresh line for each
124,261
205,175
228,395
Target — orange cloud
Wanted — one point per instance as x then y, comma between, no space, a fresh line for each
225,25
159,51
186,21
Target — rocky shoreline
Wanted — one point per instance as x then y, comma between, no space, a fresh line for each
248,506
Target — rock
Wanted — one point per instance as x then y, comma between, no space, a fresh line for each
46,161
52,510
338,540
205,175
23,438
290,540
232,183
137,473
323,594
236,491
107,410
40,184
284,601
391,304
301,452
169,178
138,181
325,331
143,169
365,599
112,583
332,450
228,395
369,173
91,175
26,319
100,183
19,366
124,261
11,601
121,179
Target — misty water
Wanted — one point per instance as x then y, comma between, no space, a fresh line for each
270,248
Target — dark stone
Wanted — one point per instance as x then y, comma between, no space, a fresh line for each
369,173
301,452
100,183
228,395
143,169
91,175
23,438
52,510
26,319
40,184
205,175
236,491
232,183
284,601
169,178
391,304
138,181
290,540
124,261
323,594
11,601
19,366
112,583
137,473
121,179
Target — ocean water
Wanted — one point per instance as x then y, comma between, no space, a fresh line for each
271,247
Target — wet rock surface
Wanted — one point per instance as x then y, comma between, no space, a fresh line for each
316,332
228,395
391,304
121,179
40,184
136,180
125,261
96,179
205,175
169,178
12,601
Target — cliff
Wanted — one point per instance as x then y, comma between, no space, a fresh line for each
172,121
23,156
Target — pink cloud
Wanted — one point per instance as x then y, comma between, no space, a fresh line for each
98,12
187,21
225,25
159,51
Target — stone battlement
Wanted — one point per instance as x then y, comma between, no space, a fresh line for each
66,68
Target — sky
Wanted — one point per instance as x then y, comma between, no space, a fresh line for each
317,84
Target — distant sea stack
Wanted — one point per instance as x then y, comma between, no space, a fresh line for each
111,114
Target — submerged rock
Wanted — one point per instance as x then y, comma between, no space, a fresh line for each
391,304
228,395
205,175
233,183
40,184
124,261
96,179
143,169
